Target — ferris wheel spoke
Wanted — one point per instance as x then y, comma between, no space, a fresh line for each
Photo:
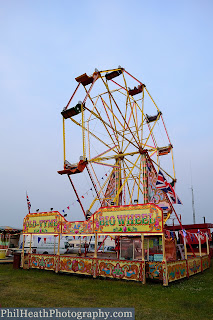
143,117
92,134
132,163
110,100
115,157
152,154
133,187
107,124
130,103
94,105
138,183
135,122
140,170
159,167
127,103
120,189
113,115
125,130
110,95
127,182
104,105
110,135
101,154
152,135
131,98
126,109
101,191
104,164
151,130
95,108
142,144
95,186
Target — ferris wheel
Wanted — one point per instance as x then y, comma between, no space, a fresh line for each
119,126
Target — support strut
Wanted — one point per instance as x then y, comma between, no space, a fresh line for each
98,196
77,196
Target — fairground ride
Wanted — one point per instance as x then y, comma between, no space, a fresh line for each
114,118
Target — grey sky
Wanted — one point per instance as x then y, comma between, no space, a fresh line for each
45,45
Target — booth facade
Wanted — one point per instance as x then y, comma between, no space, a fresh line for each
142,249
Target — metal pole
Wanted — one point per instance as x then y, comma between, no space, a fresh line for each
59,239
80,247
22,254
164,262
30,243
54,244
147,249
164,249
143,260
185,248
193,205
96,238
199,240
57,259
207,243
77,196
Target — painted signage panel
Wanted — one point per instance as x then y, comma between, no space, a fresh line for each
117,219
77,227
42,223
129,219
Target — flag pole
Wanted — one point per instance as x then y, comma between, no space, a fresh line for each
28,203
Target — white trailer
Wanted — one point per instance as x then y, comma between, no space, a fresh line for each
44,244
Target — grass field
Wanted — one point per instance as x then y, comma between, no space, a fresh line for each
188,299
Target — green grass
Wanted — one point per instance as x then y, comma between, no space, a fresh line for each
188,299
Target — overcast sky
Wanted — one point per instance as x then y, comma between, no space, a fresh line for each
46,44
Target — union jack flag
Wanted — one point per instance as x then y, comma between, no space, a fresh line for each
28,203
173,196
162,184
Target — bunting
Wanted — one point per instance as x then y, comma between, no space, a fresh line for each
112,188
83,196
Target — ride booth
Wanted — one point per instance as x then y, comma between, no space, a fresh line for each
9,238
143,251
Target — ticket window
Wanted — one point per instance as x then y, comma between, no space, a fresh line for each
130,249
126,248
153,250
137,250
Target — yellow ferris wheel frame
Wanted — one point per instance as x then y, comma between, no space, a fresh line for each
125,130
